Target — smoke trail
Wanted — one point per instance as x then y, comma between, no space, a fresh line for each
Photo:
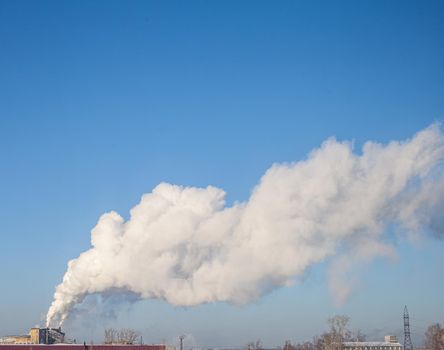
182,245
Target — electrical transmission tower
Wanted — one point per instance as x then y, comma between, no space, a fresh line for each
407,341
181,338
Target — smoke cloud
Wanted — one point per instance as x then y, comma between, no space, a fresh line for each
183,245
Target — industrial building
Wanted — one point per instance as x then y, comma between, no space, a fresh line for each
54,339
36,336
390,343
79,347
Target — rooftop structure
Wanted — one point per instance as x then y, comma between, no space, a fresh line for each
390,343
36,336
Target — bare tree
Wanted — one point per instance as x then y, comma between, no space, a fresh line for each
333,339
127,336
338,333
307,345
357,335
288,346
110,336
338,326
319,342
257,345
434,337
122,336
329,341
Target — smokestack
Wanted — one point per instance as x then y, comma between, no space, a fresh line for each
194,249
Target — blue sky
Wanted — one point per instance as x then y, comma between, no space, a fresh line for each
102,100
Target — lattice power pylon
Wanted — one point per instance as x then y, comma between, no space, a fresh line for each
181,338
407,340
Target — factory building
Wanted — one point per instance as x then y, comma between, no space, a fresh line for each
36,336
80,347
54,338
390,343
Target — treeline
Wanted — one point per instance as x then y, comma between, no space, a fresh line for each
434,337
332,339
121,336
338,333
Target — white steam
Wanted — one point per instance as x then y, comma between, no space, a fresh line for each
182,245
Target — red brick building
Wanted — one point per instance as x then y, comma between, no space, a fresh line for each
80,347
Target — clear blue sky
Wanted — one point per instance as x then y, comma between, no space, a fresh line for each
102,100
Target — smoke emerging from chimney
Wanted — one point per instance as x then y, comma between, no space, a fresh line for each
183,245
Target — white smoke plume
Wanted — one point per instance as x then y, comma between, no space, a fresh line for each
183,245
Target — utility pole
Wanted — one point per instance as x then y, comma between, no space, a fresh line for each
182,337
407,340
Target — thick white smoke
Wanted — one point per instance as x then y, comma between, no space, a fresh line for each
182,245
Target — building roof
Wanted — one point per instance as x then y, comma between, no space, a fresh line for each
80,346
369,343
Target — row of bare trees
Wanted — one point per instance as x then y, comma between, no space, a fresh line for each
121,336
257,345
338,333
434,337
332,339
